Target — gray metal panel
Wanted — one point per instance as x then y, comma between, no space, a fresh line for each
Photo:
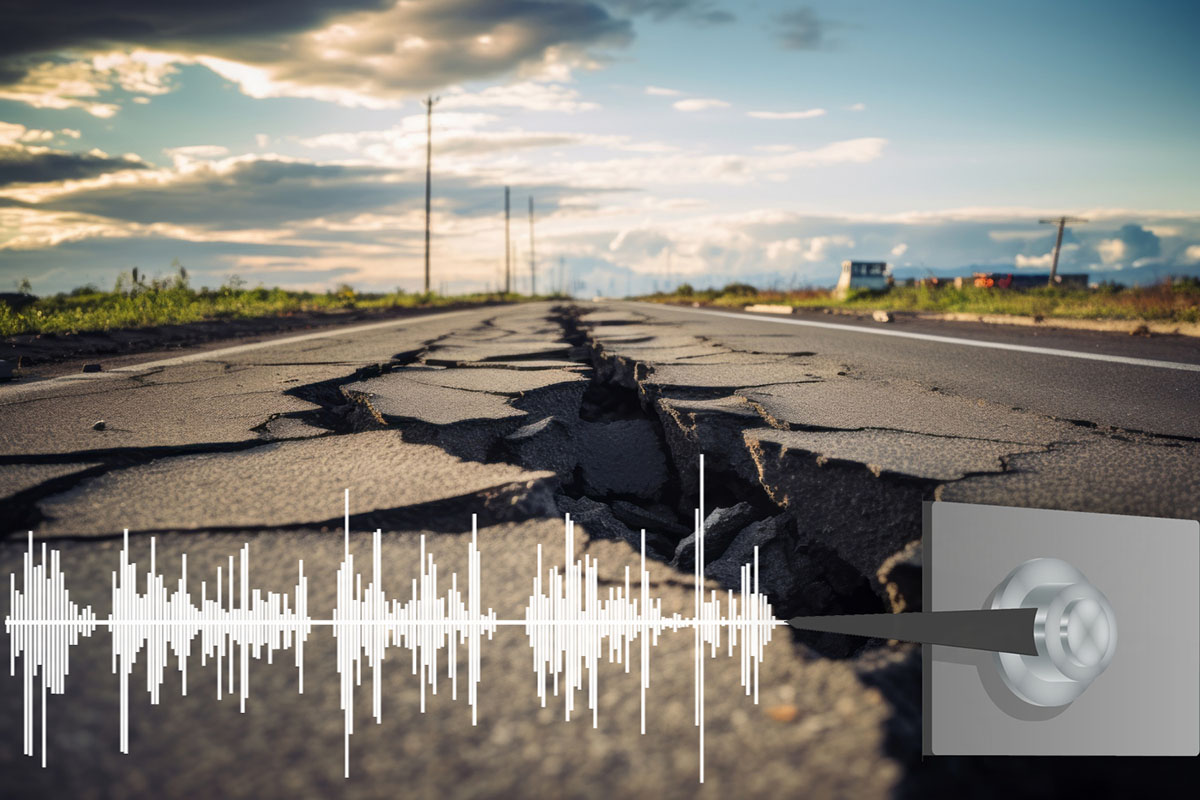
1148,700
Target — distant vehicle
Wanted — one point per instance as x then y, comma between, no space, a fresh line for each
871,275
1011,280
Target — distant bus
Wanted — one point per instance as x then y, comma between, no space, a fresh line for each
871,275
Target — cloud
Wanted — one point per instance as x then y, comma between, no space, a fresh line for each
41,165
1130,244
1033,262
1111,251
700,11
809,114
466,137
83,24
661,92
370,58
59,84
1019,235
698,104
801,29
24,163
236,192
812,250
192,151
399,146
857,107
1192,254
686,168
899,250
528,95
367,53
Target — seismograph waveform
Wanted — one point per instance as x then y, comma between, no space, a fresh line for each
569,623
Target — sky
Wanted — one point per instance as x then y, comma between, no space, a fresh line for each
661,141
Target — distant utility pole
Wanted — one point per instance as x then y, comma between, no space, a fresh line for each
507,247
429,103
532,263
1061,222
516,279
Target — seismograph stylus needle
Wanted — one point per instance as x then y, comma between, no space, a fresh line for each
1009,630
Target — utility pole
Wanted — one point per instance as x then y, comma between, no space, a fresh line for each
532,263
1061,222
516,251
507,247
428,102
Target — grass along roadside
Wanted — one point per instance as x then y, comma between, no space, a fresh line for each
1176,302
146,305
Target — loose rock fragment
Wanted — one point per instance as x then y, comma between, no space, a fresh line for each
719,530
776,577
545,444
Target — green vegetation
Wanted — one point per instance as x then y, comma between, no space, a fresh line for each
138,302
1176,301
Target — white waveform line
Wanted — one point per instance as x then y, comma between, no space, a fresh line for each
363,623
566,621
46,648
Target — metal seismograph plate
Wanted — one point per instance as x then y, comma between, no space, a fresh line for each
1087,691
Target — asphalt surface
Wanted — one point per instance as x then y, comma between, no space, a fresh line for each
820,443
1153,399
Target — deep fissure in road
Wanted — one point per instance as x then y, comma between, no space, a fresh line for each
623,464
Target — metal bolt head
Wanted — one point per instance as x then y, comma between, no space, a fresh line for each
1085,632
1075,631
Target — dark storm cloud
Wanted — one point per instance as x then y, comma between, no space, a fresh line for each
21,165
802,29
38,27
249,194
386,48
264,193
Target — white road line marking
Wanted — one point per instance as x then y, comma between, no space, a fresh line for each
929,337
15,391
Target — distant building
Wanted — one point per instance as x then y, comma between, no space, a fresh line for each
863,275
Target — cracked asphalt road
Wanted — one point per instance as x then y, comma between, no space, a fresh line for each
820,446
